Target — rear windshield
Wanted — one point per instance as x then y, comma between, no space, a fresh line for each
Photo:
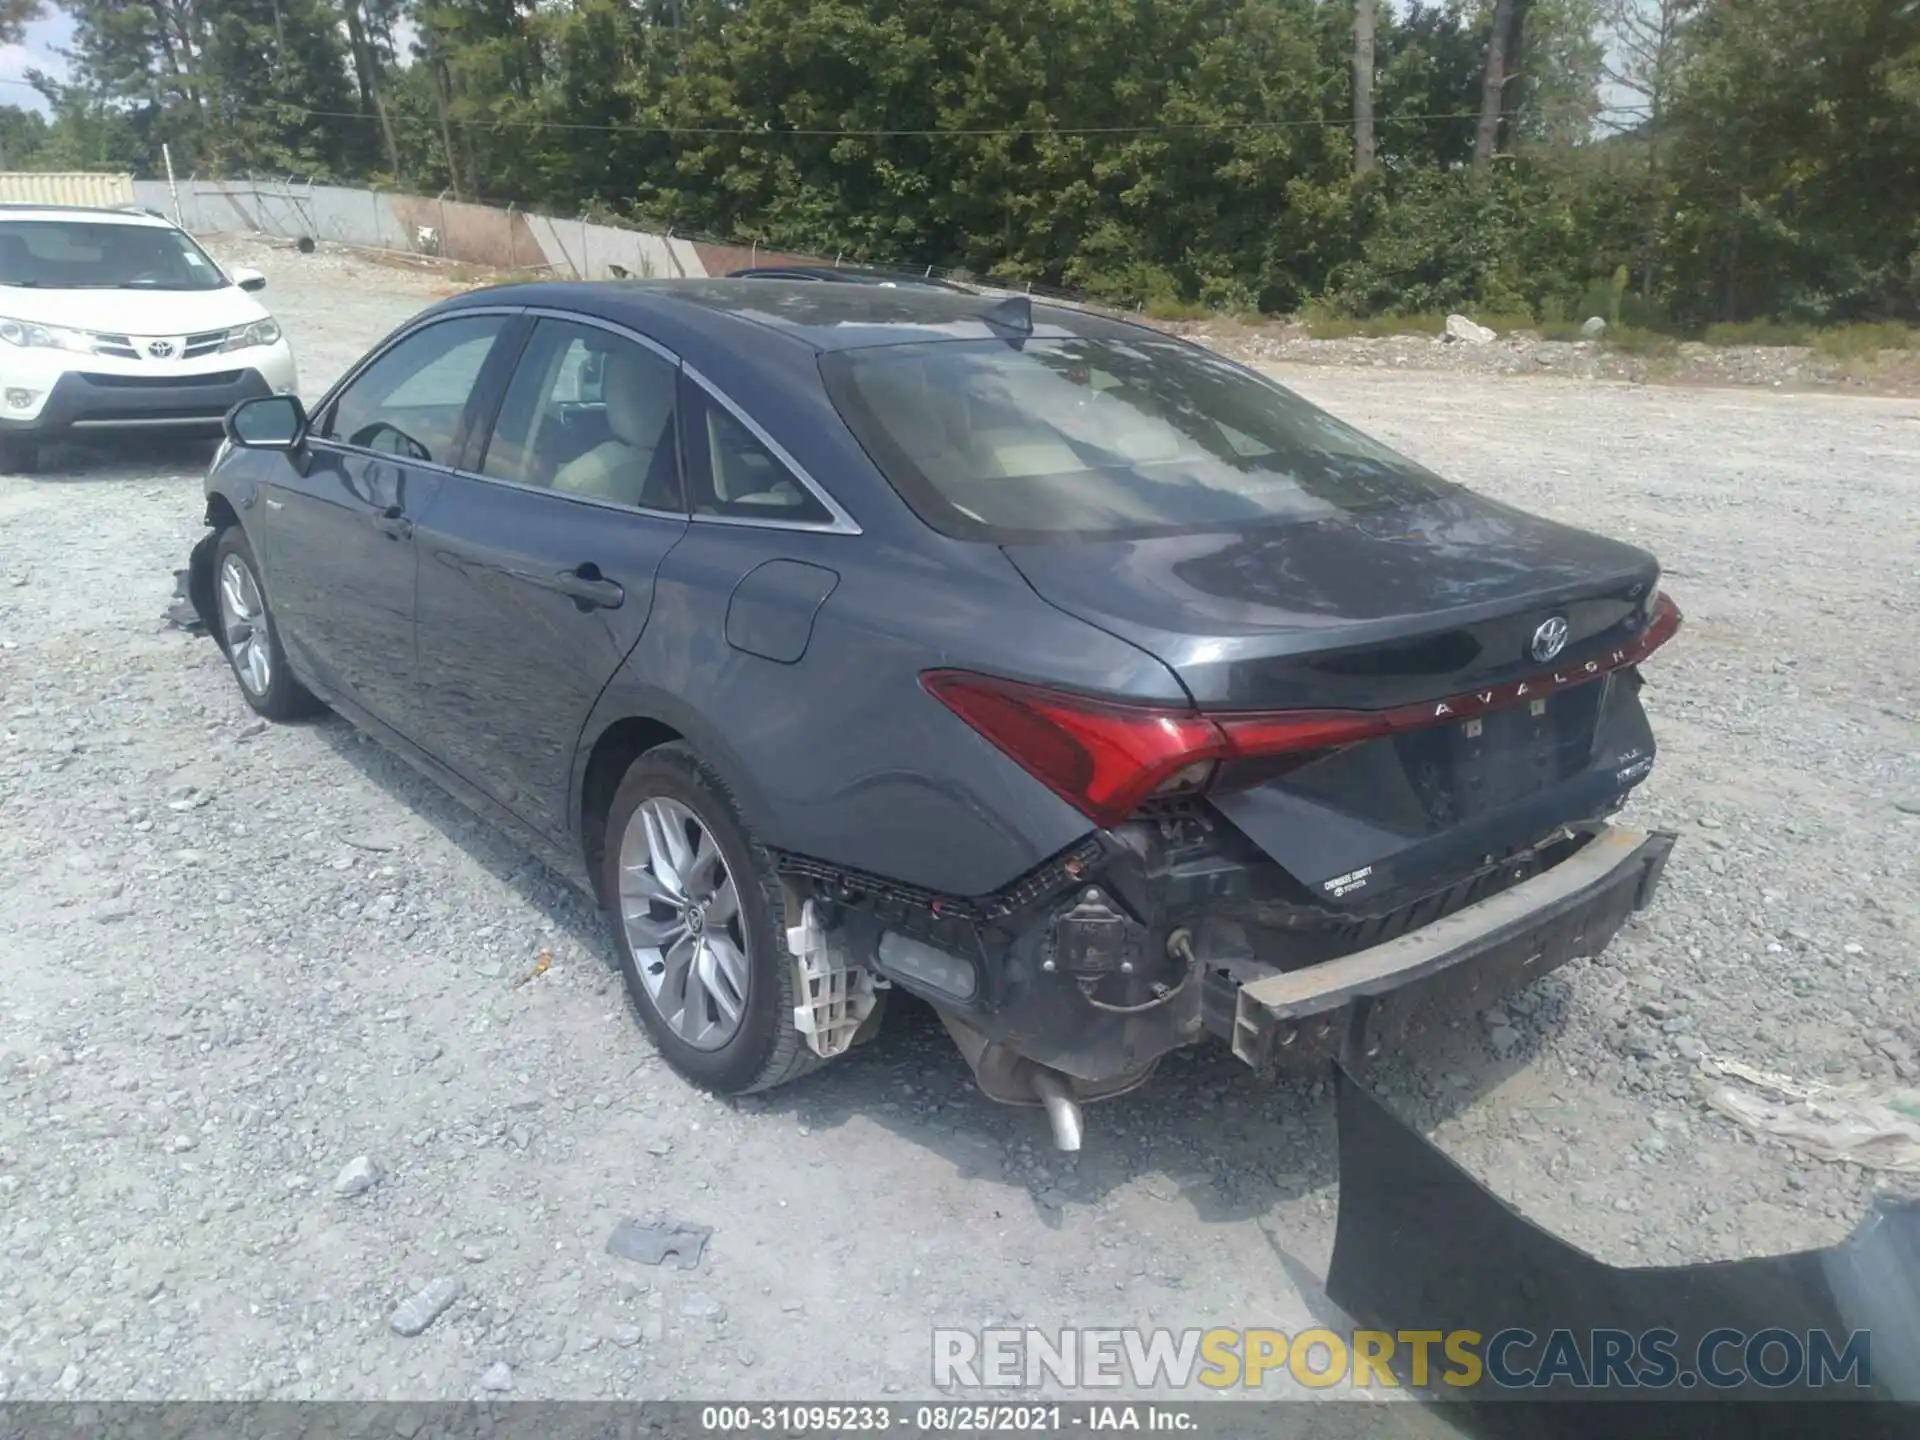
1082,437
91,255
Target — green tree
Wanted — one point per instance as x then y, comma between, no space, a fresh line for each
233,86
15,15
1795,162
23,135
1140,150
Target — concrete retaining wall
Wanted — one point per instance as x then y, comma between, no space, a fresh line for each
506,239
500,239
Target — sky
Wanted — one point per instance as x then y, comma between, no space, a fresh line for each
43,38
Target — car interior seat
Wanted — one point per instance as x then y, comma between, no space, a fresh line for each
639,414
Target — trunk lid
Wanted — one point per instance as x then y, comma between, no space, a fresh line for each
1453,599
1356,611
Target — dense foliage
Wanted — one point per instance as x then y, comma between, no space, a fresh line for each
1763,161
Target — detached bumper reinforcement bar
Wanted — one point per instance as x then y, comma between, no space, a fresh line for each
1506,940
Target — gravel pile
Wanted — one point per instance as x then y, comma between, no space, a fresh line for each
312,1086
1788,367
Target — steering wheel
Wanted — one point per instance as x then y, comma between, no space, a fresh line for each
367,434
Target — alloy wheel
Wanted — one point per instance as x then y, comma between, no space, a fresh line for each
680,909
243,619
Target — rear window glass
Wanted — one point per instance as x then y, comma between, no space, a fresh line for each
1033,439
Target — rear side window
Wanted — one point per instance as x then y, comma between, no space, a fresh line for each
732,474
1084,437
413,400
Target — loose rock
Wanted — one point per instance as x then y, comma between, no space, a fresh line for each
359,1176
424,1306
1461,329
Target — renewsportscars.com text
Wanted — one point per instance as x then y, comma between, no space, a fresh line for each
1319,1359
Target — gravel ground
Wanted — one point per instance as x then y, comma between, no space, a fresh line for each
288,1039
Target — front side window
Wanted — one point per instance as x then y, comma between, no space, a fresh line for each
1088,437
589,413
91,255
414,399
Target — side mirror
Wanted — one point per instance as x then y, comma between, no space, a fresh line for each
249,279
270,422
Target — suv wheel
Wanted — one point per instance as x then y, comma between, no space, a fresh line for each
700,922
248,635
19,457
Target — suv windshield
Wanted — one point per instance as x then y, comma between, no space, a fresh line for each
100,255
1037,439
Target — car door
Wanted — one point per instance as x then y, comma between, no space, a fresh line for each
537,565
341,558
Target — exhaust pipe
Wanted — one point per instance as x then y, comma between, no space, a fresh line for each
1063,1111
1012,1079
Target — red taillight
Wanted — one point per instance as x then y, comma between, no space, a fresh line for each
1105,758
1101,758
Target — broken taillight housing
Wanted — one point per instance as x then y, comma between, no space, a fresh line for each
1105,758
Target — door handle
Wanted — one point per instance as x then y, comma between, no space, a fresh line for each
589,588
393,522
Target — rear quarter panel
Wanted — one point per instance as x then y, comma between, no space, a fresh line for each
840,755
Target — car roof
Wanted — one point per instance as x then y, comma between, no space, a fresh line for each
821,317
129,215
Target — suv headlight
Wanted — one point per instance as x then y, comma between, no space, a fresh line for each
28,336
260,332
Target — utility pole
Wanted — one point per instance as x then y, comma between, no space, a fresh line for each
1493,85
1363,141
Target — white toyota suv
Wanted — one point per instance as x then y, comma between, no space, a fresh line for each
114,320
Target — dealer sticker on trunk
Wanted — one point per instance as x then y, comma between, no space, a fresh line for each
1346,884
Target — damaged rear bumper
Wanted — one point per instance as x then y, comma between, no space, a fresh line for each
1100,964
1476,953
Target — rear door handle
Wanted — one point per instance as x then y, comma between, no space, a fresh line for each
392,521
589,588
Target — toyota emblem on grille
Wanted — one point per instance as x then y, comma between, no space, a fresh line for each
1550,639
161,349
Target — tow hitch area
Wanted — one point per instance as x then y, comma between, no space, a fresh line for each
1421,1246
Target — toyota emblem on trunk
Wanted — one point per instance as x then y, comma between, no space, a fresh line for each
1550,639
161,349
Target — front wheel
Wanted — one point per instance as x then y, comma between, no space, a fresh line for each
700,922
19,457
249,636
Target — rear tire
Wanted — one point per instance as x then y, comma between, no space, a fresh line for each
699,918
19,457
248,635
